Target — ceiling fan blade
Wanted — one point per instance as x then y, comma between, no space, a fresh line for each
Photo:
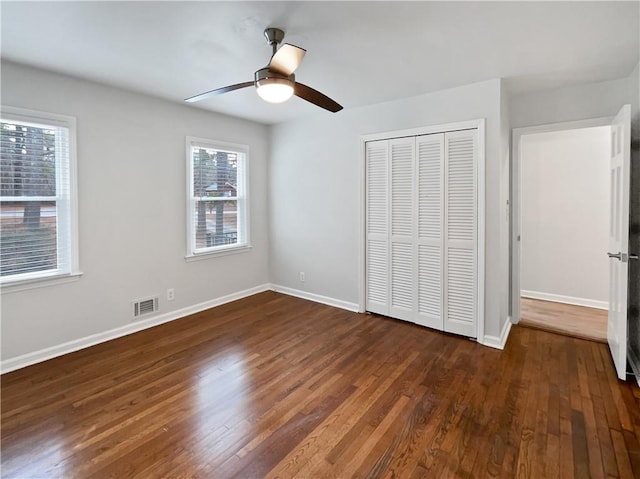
315,97
286,59
219,91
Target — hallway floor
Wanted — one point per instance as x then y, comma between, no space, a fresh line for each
568,319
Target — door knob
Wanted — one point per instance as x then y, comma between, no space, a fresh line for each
624,257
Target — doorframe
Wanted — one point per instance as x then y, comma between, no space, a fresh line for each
478,124
516,195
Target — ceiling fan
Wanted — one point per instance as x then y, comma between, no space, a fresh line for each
276,82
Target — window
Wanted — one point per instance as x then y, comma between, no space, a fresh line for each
217,206
37,196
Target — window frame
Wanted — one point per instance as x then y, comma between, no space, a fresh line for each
66,206
242,199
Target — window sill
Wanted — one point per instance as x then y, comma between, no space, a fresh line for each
214,254
13,287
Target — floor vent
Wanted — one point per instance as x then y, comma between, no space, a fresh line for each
142,307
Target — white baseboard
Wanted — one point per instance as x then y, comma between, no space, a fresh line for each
499,342
558,298
316,297
24,360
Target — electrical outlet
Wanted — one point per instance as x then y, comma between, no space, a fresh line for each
302,276
171,294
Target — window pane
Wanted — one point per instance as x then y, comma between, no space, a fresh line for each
218,207
27,163
215,173
216,223
28,242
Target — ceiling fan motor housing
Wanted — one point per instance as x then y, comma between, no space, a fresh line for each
265,76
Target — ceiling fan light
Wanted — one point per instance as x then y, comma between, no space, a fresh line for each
275,90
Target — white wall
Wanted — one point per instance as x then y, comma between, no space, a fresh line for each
131,177
565,198
315,198
575,102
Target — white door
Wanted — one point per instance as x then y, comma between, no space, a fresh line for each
422,230
402,261
429,211
377,230
461,233
619,238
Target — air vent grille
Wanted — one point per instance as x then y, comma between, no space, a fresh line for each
142,307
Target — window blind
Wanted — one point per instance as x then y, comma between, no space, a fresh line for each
35,197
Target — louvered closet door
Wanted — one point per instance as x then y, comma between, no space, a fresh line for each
460,229
377,227
402,260
430,201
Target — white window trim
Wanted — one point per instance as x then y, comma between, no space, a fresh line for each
47,278
41,282
220,250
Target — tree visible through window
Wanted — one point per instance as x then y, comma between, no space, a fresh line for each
35,222
217,197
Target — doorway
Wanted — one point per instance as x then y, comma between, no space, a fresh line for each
562,216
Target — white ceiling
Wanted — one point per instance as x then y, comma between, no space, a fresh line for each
358,53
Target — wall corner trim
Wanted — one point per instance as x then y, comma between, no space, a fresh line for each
498,342
28,359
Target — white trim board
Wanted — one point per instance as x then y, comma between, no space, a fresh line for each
558,298
424,130
498,342
28,359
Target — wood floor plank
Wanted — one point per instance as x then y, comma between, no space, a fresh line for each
329,436
276,386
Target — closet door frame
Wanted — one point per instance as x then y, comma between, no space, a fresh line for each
428,130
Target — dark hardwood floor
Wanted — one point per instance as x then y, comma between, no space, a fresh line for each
274,386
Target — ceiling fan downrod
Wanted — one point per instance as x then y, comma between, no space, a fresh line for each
274,37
